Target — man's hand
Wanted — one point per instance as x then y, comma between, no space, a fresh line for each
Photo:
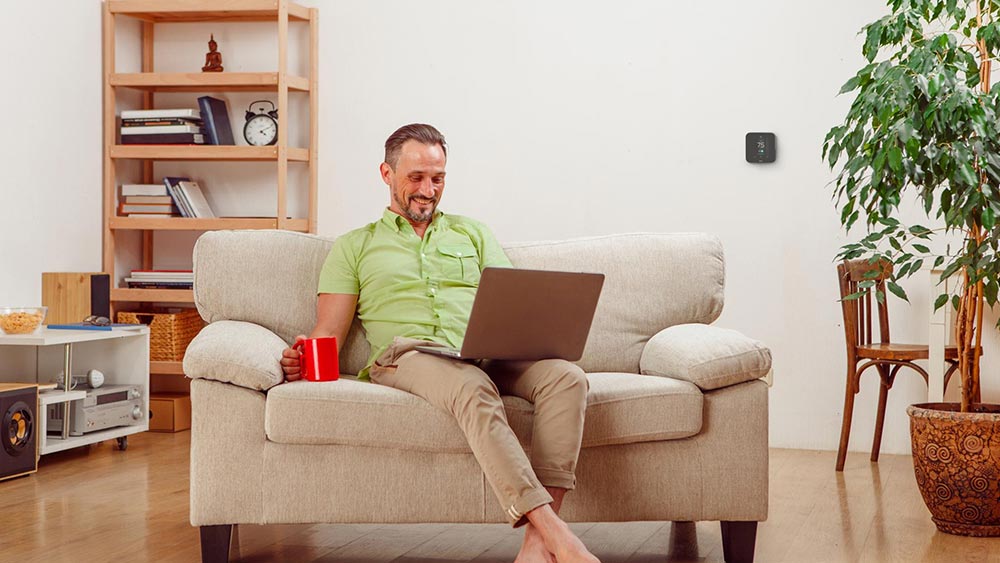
290,361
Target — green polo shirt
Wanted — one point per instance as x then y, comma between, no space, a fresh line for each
411,286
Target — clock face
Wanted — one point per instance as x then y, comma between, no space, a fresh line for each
260,131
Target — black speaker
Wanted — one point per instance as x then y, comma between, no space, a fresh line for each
18,430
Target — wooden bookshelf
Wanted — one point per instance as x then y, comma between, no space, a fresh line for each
152,295
162,11
118,158
166,368
208,81
193,224
207,152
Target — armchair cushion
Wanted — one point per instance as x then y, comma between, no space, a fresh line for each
708,356
236,352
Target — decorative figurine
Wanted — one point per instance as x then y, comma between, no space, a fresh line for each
213,58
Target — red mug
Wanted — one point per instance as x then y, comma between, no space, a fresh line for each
319,360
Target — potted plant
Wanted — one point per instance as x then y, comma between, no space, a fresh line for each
925,127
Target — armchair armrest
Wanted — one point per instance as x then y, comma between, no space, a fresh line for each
708,356
236,352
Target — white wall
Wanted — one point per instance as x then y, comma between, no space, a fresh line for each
564,119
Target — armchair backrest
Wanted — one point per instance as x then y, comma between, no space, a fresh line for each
653,281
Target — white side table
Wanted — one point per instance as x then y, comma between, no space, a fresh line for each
121,354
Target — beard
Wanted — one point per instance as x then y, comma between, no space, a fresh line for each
411,213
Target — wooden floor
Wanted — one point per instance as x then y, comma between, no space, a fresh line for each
100,504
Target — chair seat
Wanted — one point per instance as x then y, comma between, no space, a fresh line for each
622,408
901,352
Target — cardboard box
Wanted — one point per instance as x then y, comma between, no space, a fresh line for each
170,412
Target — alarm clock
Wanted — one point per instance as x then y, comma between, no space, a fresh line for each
261,128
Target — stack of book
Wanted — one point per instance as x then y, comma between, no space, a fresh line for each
162,127
188,197
161,279
146,200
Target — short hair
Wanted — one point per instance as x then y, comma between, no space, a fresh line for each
421,132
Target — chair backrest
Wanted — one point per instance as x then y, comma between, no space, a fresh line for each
858,312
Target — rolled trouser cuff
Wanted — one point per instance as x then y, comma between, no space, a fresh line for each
556,478
528,502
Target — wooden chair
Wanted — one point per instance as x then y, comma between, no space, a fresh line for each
885,356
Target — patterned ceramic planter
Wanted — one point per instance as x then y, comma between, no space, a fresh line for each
956,459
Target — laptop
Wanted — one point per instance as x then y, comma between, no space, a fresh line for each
528,315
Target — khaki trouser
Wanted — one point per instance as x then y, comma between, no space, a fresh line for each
557,388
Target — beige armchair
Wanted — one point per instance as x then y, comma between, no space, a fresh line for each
676,423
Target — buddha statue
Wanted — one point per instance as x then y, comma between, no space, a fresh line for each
213,58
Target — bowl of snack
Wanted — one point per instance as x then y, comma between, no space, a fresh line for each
21,320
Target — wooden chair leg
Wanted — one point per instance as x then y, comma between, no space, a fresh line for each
215,543
738,541
883,396
845,429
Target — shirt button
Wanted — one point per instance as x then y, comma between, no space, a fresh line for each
422,255
433,291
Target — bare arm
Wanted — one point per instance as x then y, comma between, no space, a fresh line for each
334,315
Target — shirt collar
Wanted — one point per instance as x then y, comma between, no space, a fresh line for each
396,221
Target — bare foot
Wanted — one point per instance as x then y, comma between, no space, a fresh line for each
568,548
533,549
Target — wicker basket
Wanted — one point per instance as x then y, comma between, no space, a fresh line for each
169,333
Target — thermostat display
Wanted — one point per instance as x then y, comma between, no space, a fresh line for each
761,148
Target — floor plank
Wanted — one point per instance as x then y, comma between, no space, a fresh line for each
99,504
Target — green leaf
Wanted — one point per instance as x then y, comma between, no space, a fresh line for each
990,291
940,301
921,248
896,290
850,84
967,174
896,160
989,219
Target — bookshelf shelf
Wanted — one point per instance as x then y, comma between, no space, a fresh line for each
166,368
208,82
205,152
152,295
137,164
162,11
190,224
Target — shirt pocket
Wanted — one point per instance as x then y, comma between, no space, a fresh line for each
460,262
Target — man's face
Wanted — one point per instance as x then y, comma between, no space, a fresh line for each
417,182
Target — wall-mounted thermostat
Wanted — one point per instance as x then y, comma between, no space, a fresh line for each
760,147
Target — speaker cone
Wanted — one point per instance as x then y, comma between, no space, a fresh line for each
17,428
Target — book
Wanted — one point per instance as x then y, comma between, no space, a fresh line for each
124,208
148,199
216,116
154,215
161,129
172,183
161,113
164,139
163,272
144,284
143,190
155,121
194,196
162,275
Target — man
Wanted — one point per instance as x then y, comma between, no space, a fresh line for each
412,277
